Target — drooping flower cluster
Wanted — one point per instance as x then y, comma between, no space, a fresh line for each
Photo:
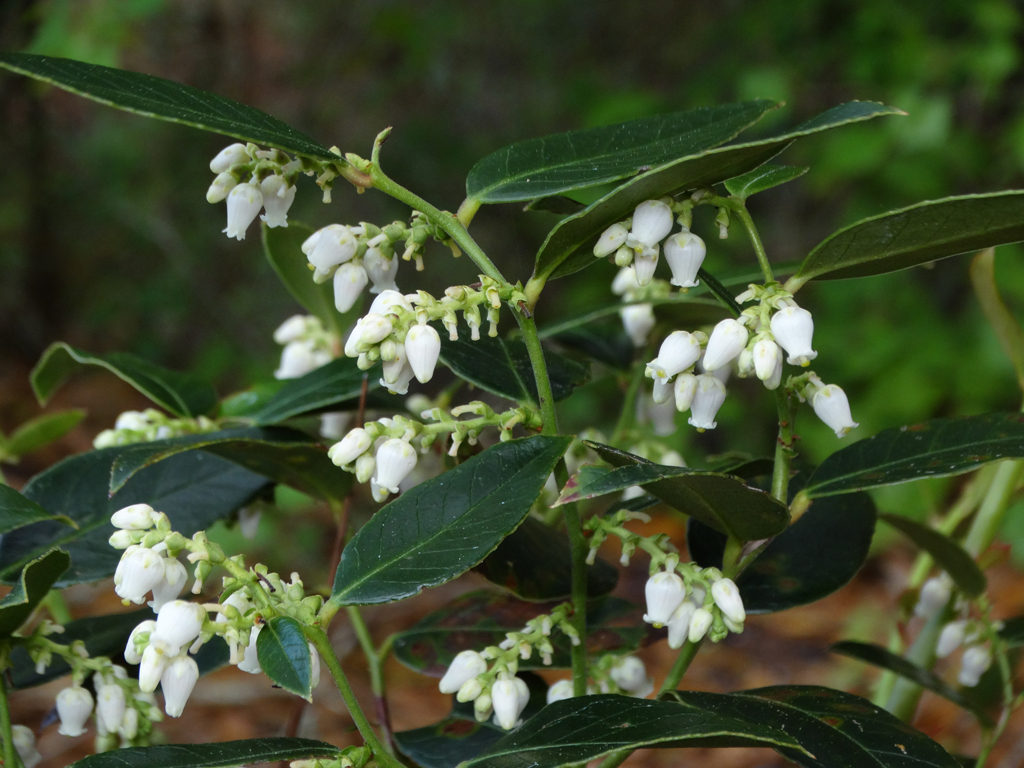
964,631
638,314
307,346
146,426
609,674
251,179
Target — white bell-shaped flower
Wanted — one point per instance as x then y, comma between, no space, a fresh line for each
349,283
464,667
351,447
110,706
679,624
295,327
793,328
644,265
377,492
244,203
523,692
951,638
832,407
393,367
381,270
775,380
469,691
505,700
74,705
177,682
172,584
662,391
563,689
134,421
140,570
297,359
727,340
663,415
402,379
638,320
309,244
679,351
129,725
625,282
387,300
179,622
395,459
422,346
664,592
366,465
766,358
137,517
278,196
685,253
221,187
700,623
975,662
233,154
727,598
131,652
629,674
610,240
334,247
708,396
684,388
250,662
652,221
935,593
25,745
154,659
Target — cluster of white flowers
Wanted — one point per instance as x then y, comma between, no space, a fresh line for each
146,426
251,179
689,608
307,346
609,674
123,712
963,631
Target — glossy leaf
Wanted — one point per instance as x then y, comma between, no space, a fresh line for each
40,431
502,367
949,555
1005,325
815,556
194,489
281,454
16,511
37,578
834,729
241,405
569,246
933,448
559,205
723,502
533,562
443,527
916,235
182,394
284,655
479,619
163,99
1012,631
878,656
224,754
761,179
337,382
580,730
549,165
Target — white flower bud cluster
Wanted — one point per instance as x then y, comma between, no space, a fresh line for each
253,179
147,564
146,426
122,711
609,674
970,633
307,346
690,609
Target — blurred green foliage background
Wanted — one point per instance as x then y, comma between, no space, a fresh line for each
106,240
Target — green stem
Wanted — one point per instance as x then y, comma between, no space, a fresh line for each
740,210
906,694
628,414
545,397
373,661
54,603
323,645
784,446
11,757
989,520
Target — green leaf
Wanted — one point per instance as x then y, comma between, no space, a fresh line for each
443,527
16,511
40,431
165,100
815,556
834,729
37,578
1012,631
760,179
180,393
575,235
224,754
935,448
557,204
533,562
723,502
878,656
582,729
949,555
1005,325
284,655
281,454
194,489
562,162
337,382
479,619
502,367
924,232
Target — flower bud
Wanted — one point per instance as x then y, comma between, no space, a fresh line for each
238,601
708,396
793,328
25,745
685,253
141,569
951,638
664,592
244,203
629,674
935,593
469,690
610,241
233,154
395,459
110,705
644,265
309,244
766,359
505,700
120,539
625,282
975,662
297,359
365,466
464,667
349,282
638,320
679,351
387,299
352,446
74,705
292,329
685,388
278,196
177,682
832,407
154,659
221,187
727,340
373,329
381,270
250,662
179,622
482,707
423,346
131,653
727,598
679,624
170,586
563,689
129,725
662,391
700,623
652,221
334,247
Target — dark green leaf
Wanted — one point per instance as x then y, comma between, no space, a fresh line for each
582,729
443,527
40,431
224,754
281,454
16,511
241,405
557,204
37,578
180,393
1005,325
933,448
881,657
284,655
575,235
533,563
760,179
723,502
910,236
1013,631
502,366
817,555
480,619
606,342
834,729
194,489
163,99
562,162
335,383
949,555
